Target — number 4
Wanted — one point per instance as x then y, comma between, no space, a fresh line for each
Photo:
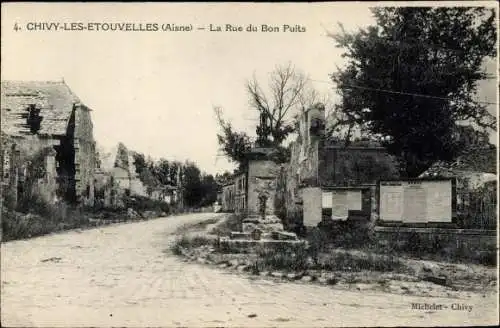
16,27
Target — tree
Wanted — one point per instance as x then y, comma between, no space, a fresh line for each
209,189
139,162
289,93
192,192
411,78
162,171
233,144
145,169
122,157
174,171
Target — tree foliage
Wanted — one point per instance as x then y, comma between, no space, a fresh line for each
434,51
197,188
233,144
122,157
289,92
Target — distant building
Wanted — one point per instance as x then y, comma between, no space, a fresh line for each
46,122
168,194
240,192
119,164
228,203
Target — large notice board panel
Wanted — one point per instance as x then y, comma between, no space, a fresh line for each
416,201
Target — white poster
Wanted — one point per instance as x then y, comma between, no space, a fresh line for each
326,201
340,206
439,201
416,201
354,200
391,203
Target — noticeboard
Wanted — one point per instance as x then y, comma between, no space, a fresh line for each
416,201
338,202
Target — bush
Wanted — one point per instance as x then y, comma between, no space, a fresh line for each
433,247
16,225
283,257
348,234
231,223
190,242
196,226
141,203
345,261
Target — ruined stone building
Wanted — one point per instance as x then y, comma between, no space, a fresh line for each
168,194
117,177
227,197
48,145
327,181
323,181
246,190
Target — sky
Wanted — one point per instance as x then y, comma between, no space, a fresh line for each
155,90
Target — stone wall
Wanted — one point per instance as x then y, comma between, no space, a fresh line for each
312,206
354,165
29,168
46,185
85,156
470,239
318,162
240,199
228,198
10,163
262,175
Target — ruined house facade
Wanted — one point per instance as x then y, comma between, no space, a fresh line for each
327,181
234,194
50,136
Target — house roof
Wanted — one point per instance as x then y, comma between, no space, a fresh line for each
55,100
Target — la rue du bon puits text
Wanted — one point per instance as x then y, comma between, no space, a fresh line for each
256,28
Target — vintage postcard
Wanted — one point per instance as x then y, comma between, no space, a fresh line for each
249,164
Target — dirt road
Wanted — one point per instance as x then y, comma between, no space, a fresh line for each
124,275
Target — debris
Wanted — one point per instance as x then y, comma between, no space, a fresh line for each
437,280
52,259
307,278
277,274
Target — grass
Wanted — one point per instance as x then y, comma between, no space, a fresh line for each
319,259
196,226
17,225
32,216
310,258
141,204
413,246
231,223
300,257
190,242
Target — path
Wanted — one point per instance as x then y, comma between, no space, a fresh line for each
122,275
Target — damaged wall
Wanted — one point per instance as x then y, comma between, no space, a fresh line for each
317,165
47,115
262,175
28,168
85,155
